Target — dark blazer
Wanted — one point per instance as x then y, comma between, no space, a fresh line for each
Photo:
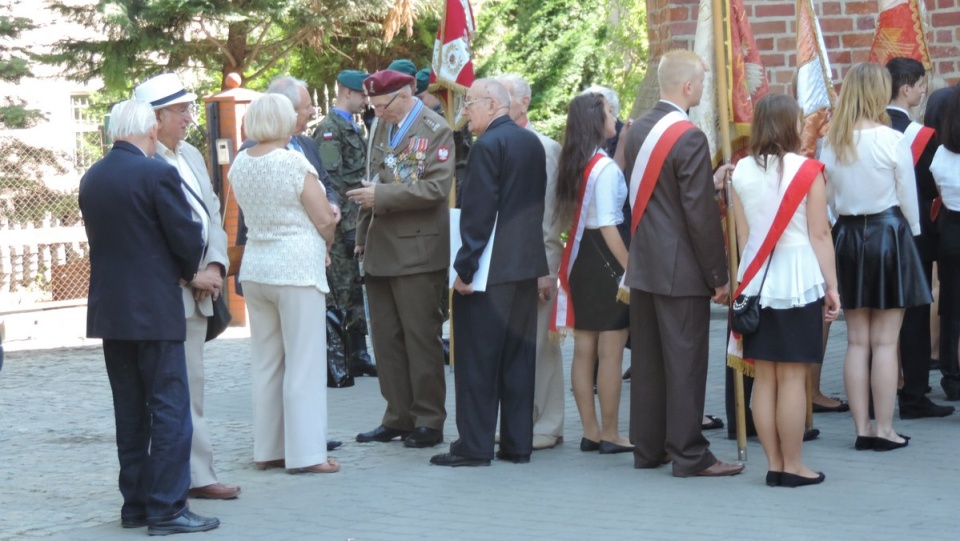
506,174
677,248
143,240
926,188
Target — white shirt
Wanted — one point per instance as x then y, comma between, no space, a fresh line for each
176,159
945,168
881,176
606,207
685,115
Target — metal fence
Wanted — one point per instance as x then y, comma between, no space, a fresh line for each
43,246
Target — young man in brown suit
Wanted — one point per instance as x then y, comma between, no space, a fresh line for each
403,234
677,263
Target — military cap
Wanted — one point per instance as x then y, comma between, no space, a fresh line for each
385,82
423,80
403,66
352,79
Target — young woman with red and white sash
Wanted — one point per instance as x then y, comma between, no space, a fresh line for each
781,216
591,191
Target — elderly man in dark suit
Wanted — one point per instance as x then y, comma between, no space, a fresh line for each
495,335
403,234
677,262
144,244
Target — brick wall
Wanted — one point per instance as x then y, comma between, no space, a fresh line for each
848,28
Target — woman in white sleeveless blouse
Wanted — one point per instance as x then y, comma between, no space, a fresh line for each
800,280
284,283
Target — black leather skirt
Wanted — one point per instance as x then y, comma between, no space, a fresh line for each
878,265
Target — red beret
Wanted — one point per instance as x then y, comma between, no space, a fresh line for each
385,82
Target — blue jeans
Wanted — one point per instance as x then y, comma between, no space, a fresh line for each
151,403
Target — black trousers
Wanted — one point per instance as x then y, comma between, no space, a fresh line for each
915,347
495,351
151,403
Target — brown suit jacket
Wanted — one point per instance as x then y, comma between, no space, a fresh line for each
677,249
408,230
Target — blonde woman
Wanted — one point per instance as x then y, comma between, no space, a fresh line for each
872,191
284,283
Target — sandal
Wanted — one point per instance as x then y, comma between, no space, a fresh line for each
839,408
713,424
330,466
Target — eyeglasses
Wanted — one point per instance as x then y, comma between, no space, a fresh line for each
467,103
384,107
190,110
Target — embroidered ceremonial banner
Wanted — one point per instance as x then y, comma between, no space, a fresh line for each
815,92
745,74
900,32
451,72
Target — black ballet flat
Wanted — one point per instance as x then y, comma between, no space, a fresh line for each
610,448
588,446
773,478
793,481
883,444
864,443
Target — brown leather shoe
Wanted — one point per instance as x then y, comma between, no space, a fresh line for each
216,491
279,463
719,469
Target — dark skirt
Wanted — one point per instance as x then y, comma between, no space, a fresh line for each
594,281
878,265
948,264
788,335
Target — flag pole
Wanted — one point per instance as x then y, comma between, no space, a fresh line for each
723,94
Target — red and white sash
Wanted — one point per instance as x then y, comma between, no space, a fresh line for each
649,163
916,137
802,172
563,307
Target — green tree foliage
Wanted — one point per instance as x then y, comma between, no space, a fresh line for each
137,38
23,195
560,47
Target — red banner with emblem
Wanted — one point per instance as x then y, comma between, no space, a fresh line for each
900,33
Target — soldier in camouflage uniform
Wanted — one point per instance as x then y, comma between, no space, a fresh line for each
344,153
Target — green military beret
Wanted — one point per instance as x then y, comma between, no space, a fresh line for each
352,79
403,66
423,80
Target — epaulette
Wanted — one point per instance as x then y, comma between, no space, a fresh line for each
431,123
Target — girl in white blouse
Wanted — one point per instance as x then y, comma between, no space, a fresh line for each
872,191
946,173
590,192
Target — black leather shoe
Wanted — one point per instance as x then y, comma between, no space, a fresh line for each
188,522
773,478
133,522
452,460
919,409
811,434
793,481
610,448
333,444
515,458
423,437
382,434
588,446
951,388
883,444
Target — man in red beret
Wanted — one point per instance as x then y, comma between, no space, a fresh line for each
403,235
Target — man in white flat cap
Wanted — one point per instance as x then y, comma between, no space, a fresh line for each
175,109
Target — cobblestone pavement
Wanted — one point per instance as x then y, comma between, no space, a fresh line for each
58,471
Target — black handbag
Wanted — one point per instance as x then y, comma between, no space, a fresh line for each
338,360
746,308
217,323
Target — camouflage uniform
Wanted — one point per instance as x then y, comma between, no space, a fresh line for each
344,154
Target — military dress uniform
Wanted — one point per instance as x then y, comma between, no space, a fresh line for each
406,239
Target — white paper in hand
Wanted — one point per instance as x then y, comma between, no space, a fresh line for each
483,270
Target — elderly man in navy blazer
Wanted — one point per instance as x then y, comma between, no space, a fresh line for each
495,336
144,243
